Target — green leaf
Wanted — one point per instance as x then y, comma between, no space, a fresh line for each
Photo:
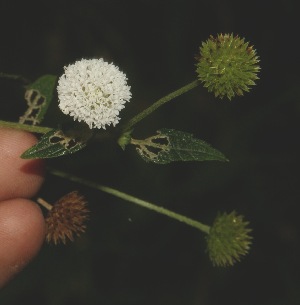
54,144
38,96
171,145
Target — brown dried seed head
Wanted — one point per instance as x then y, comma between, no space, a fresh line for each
66,218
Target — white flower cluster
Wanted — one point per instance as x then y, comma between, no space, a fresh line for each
93,91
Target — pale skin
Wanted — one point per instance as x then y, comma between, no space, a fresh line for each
22,226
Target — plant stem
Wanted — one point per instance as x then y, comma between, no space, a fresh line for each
14,77
159,103
30,128
193,223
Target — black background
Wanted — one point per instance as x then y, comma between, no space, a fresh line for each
133,256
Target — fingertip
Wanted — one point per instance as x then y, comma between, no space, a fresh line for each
22,232
18,177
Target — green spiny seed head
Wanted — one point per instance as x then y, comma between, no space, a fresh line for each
227,65
228,239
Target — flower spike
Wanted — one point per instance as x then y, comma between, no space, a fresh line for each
93,91
227,66
66,218
228,239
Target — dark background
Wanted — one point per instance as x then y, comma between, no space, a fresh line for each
130,255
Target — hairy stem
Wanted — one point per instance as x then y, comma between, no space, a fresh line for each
30,128
159,103
191,222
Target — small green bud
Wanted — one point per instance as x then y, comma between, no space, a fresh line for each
228,239
125,139
227,65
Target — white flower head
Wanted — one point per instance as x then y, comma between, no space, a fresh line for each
93,91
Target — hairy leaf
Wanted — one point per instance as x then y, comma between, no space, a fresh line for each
54,144
38,96
171,145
